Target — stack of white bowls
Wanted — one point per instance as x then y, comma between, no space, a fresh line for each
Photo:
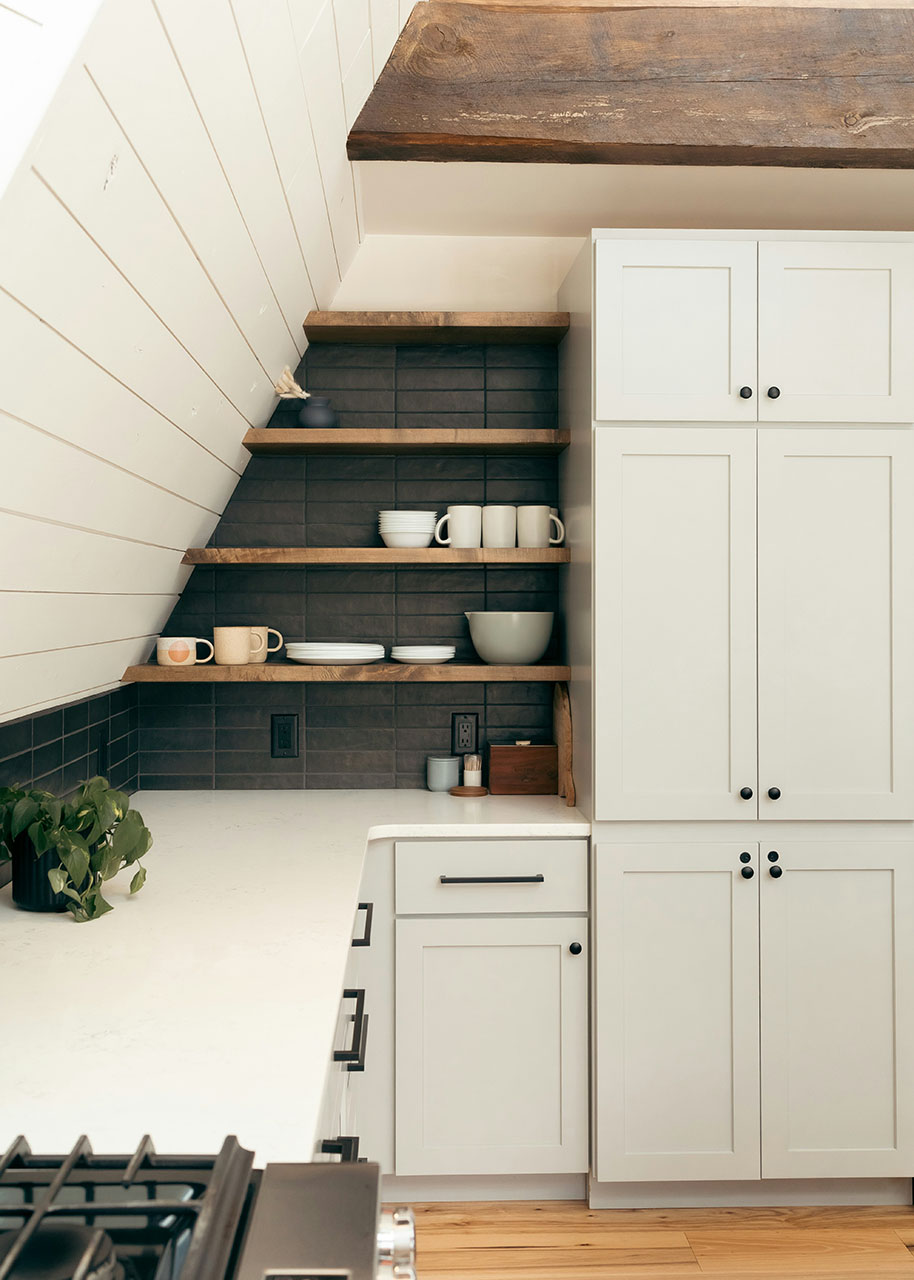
423,652
321,652
407,528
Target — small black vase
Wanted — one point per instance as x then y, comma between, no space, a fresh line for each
31,888
316,412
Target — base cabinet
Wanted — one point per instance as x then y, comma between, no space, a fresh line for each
754,1012
491,1036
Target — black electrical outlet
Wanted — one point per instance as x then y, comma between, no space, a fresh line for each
284,736
464,732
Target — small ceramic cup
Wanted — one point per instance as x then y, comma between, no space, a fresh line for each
180,651
442,772
534,526
264,633
464,527
499,526
235,646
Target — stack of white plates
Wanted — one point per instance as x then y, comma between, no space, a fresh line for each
345,655
407,528
422,652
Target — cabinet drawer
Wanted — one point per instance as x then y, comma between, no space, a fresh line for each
455,877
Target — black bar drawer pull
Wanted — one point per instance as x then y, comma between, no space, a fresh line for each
538,879
359,1064
346,1148
365,940
353,1053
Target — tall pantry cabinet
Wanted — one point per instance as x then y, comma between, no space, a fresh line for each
740,501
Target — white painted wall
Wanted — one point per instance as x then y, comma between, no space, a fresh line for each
185,202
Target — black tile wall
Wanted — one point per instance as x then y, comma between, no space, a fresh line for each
362,735
57,750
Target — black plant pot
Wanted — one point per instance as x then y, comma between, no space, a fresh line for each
318,413
31,888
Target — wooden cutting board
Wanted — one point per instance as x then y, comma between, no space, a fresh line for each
561,728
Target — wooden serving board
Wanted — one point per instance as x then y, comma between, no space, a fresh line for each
561,728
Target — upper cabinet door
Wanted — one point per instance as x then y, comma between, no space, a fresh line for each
675,668
836,332
675,331
836,623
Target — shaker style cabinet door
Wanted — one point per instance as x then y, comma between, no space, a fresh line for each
836,623
491,1046
837,1017
836,332
676,998
675,614
675,333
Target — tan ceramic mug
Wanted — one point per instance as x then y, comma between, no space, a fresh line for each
499,526
264,633
534,527
235,646
180,651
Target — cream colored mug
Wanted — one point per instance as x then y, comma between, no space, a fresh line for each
264,633
180,651
499,526
235,646
534,525
464,527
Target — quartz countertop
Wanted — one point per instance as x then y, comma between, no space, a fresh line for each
206,1004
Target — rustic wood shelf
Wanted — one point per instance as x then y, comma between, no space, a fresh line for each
372,673
413,327
404,440
429,556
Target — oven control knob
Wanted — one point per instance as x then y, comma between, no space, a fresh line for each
397,1241
387,1271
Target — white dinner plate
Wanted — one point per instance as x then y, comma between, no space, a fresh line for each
335,661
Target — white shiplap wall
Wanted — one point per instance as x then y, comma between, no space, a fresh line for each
186,200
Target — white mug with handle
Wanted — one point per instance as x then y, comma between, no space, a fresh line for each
534,525
464,527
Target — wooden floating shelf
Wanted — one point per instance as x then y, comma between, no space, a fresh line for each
449,327
404,440
372,673
428,556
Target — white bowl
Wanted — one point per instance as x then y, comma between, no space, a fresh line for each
410,515
406,539
510,638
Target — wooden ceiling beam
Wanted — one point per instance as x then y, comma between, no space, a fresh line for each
814,87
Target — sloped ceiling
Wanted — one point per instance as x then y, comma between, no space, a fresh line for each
185,202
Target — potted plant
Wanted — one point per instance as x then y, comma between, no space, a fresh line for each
64,850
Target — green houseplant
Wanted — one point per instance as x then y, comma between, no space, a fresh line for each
63,851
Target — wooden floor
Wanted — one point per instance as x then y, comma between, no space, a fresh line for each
565,1240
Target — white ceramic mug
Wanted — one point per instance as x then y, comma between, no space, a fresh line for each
180,651
464,527
264,633
235,646
499,526
534,525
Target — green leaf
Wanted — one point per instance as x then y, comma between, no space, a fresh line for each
75,859
25,811
94,904
57,877
138,880
39,838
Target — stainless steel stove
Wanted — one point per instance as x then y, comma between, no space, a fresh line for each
154,1217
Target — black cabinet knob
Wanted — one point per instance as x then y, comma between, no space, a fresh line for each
575,948
746,872
746,793
775,872
774,793
745,857
773,393
745,393
773,855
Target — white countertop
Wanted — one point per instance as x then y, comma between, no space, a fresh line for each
207,1004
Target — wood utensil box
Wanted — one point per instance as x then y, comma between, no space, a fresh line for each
531,770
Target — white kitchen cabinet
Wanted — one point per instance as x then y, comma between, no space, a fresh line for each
837,1010
836,623
675,334
491,1045
676,996
836,331
675,623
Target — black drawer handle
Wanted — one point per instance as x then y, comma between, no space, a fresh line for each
359,1064
537,879
346,1148
365,940
353,1053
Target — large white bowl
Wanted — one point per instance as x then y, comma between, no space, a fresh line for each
510,638
406,539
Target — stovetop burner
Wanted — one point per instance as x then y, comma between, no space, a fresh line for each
63,1250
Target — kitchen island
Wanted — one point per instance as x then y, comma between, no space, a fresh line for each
207,1004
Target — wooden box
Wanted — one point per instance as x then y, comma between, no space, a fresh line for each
523,770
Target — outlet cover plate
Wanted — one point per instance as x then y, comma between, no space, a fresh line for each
284,736
464,732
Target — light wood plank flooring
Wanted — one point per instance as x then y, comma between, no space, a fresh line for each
563,1240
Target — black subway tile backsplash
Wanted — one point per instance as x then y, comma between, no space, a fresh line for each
194,736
